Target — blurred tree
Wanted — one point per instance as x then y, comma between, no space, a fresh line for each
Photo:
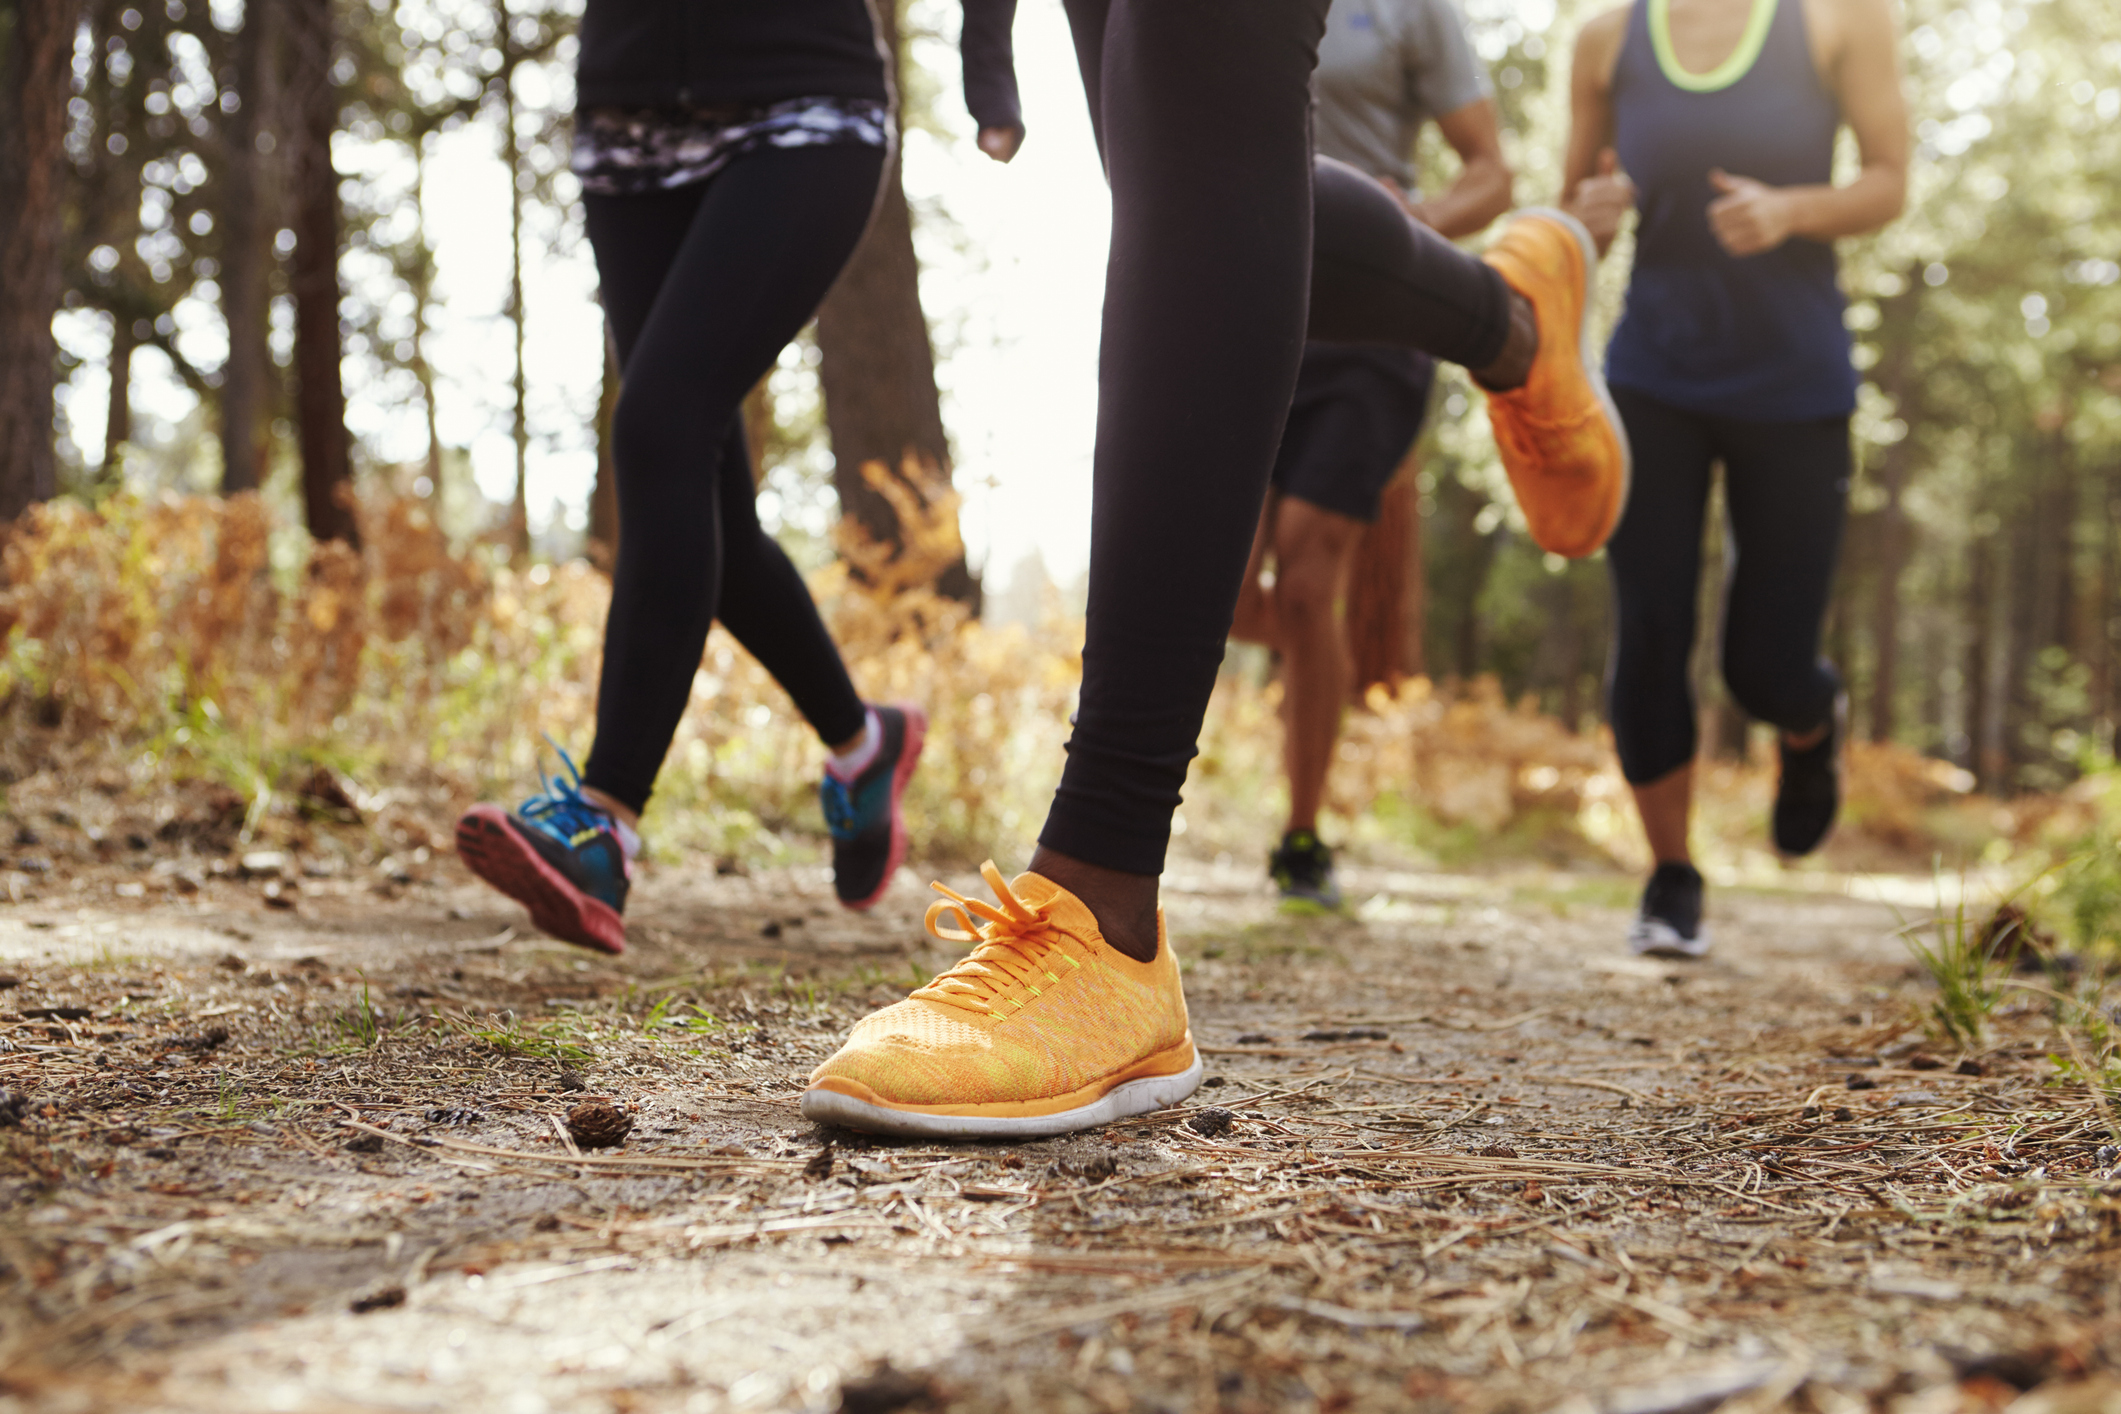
36,50
246,222
320,392
882,407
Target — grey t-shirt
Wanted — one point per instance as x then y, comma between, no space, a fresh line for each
1385,67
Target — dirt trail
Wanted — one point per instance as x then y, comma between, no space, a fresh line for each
1459,1152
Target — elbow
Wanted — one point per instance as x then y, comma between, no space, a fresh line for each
1896,196
1891,198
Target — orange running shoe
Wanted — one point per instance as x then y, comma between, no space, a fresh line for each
1045,1029
1560,435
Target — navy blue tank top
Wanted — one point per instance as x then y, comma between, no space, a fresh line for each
1763,337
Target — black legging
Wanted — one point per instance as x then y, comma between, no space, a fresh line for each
704,286
1202,112
1786,485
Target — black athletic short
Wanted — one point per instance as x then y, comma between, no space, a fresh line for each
1358,408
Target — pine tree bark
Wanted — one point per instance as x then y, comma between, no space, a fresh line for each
1893,533
1983,735
36,47
877,368
320,393
2101,629
603,536
512,159
118,413
245,262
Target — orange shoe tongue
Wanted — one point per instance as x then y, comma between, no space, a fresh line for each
1067,912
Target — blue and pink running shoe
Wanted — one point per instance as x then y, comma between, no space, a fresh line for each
559,856
868,828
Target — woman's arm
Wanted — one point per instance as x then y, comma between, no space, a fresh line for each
1481,191
990,76
1751,217
1593,188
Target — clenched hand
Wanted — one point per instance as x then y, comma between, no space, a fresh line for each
1749,218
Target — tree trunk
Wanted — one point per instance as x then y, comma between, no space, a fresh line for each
1892,546
36,52
320,395
512,159
603,537
245,262
2022,629
1982,739
118,418
2102,609
877,368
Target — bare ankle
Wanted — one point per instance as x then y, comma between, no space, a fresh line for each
631,819
1124,905
1514,365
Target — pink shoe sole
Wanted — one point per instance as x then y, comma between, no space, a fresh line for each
492,848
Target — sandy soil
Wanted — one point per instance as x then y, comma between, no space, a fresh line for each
290,1141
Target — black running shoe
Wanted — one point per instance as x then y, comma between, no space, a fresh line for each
1302,868
1670,922
868,829
1809,795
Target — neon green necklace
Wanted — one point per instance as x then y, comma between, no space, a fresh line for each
1730,70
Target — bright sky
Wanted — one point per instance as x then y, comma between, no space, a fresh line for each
1013,283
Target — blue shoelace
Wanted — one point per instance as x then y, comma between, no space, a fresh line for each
837,798
560,808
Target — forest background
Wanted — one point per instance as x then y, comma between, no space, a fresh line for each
227,216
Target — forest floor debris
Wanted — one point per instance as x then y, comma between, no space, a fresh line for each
1456,1152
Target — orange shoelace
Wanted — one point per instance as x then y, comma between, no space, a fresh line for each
1012,946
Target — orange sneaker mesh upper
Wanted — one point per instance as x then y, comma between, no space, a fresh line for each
1042,1015
1560,441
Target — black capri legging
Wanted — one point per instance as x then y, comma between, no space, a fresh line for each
704,286
1786,485
1202,111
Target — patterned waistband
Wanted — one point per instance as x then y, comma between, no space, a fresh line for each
627,151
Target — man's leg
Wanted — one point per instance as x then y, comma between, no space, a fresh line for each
1312,551
1253,621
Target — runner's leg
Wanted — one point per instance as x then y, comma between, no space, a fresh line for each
1787,487
1313,549
1655,562
704,288
767,607
1202,108
1654,558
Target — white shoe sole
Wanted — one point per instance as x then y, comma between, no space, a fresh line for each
1136,1097
1653,937
1593,366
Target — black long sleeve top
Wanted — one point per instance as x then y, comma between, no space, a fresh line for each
702,53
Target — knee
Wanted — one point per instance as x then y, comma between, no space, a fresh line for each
1306,592
1653,647
1786,692
1254,620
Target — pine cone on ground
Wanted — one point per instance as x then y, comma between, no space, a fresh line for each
598,1124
